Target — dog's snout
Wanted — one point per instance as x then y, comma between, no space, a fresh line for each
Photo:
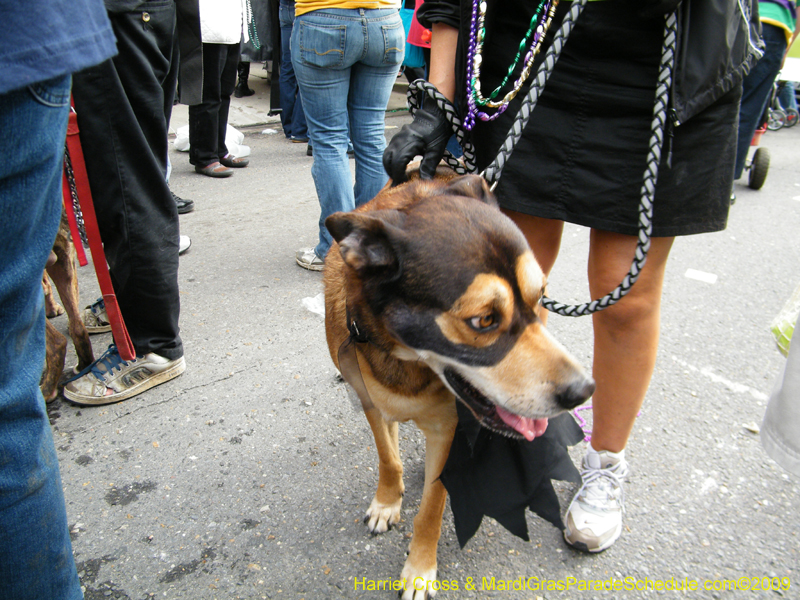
575,393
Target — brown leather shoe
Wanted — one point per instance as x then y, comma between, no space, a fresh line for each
215,169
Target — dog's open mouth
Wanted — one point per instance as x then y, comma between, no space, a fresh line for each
491,415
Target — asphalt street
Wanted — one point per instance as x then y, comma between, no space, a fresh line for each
249,475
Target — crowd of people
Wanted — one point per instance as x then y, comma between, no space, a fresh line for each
580,160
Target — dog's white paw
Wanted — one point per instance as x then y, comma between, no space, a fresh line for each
380,517
420,585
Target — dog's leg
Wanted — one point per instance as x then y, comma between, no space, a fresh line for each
384,511
51,307
56,345
65,277
420,568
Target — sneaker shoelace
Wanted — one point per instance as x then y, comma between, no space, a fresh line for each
603,486
110,360
98,306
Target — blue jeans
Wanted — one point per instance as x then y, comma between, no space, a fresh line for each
757,90
787,96
35,550
346,62
293,118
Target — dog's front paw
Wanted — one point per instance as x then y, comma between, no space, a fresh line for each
380,517
420,585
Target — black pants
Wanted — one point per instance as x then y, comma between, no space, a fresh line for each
124,106
208,121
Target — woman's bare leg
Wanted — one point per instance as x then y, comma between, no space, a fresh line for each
626,334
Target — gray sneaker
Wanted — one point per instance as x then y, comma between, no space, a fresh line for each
308,259
594,518
110,379
95,317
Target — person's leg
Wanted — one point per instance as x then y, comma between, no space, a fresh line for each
371,81
324,78
35,551
120,106
756,91
625,335
787,97
288,82
204,117
625,345
228,61
299,125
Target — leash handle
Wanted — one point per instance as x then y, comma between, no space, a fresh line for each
75,151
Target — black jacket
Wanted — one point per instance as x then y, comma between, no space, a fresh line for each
718,43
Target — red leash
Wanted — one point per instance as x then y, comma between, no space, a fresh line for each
118,329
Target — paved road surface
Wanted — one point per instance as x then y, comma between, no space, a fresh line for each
248,476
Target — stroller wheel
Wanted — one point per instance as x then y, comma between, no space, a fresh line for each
758,169
792,117
776,119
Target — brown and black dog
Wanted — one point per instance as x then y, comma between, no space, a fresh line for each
442,294
61,268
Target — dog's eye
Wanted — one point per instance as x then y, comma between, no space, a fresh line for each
484,322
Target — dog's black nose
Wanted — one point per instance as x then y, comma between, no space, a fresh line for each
575,393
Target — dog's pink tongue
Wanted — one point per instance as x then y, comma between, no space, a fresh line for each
529,428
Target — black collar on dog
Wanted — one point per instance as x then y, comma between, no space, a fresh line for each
348,361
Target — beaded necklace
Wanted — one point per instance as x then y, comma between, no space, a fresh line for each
540,23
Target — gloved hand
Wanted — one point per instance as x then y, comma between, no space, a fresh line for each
650,9
427,135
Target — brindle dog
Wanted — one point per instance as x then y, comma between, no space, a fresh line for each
61,268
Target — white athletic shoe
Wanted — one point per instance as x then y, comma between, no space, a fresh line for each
594,518
184,244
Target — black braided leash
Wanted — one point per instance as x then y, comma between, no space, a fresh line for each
493,171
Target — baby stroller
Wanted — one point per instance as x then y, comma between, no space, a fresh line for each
779,117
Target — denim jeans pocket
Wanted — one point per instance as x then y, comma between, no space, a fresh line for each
52,92
393,43
321,45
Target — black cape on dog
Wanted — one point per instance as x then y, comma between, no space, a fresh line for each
489,474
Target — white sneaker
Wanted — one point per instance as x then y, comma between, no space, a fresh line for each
95,317
594,518
308,259
184,244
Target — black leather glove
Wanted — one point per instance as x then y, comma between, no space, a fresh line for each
650,9
427,135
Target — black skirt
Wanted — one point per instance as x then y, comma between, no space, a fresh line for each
582,156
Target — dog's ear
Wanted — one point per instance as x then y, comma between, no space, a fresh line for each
472,186
367,243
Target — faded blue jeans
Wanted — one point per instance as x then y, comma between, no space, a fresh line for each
35,551
293,118
346,62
